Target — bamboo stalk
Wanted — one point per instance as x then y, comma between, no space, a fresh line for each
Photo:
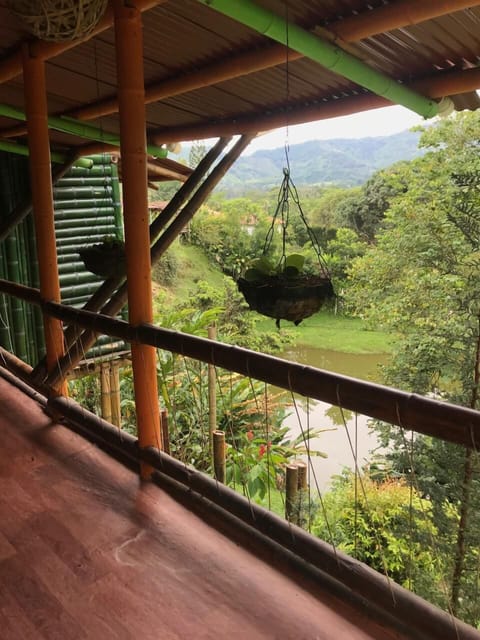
291,493
42,200
165,431
105,391
131,93
212,392
219,463
302,497
115,394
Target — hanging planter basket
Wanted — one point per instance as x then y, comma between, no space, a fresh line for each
284,291
284,298
106,259
59,20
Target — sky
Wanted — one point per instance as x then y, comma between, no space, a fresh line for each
377,122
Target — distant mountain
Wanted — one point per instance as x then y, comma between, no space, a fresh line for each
343,162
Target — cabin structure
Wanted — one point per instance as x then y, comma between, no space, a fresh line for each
103,534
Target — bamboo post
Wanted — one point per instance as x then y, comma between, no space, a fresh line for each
165,431
133,143
115,394
105,391
302,500
291,486
212,391
42,202
219,464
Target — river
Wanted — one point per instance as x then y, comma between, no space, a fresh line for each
347,433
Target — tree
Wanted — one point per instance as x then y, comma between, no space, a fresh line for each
421,280
363,210
387,526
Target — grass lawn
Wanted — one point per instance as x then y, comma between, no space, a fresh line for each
325,330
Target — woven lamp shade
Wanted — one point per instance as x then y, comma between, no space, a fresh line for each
59,20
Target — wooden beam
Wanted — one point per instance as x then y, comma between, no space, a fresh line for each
133,142
388,17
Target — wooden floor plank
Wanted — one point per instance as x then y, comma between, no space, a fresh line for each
89,551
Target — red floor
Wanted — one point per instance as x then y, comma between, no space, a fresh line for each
86,551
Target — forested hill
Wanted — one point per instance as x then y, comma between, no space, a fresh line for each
344,162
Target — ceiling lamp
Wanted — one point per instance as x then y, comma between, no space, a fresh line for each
59,20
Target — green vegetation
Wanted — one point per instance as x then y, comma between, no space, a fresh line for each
420,279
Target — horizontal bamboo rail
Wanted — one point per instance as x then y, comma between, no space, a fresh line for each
443,420
412,615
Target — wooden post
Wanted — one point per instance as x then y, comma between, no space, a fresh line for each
42,200
105,391
165,431
133,142
212,392
291,486
219,463
115,394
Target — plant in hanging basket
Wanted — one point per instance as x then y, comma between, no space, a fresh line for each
105,259
284,292
59,20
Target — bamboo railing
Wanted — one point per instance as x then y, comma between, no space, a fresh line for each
443,420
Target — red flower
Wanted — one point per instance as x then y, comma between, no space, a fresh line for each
250,435
261,450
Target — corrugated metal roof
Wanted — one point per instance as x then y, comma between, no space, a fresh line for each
183,39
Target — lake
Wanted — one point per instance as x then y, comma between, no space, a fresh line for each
348,433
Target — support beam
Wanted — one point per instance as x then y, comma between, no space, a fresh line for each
400,13
111,285
42,201
113,306
436,86
131,97
108,288
72,127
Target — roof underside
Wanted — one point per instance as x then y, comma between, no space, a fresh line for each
187,45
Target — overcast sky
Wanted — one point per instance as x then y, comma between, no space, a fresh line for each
378,122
